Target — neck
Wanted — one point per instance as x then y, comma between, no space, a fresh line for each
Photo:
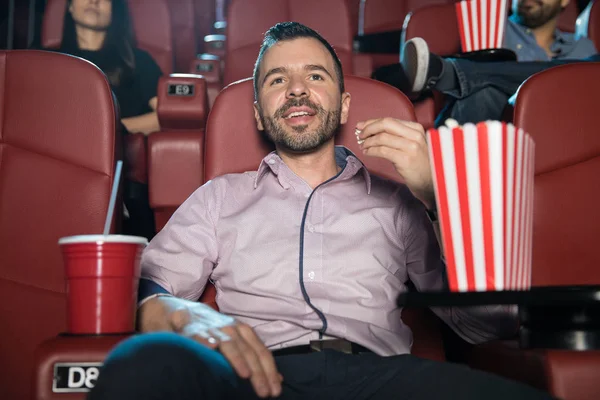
89,39
544,35
315,167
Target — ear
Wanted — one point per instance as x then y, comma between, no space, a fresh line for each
345,107
259,124
564,3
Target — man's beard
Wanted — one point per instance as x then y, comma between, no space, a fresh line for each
540,15
302,140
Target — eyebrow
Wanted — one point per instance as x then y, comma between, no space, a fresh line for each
308,67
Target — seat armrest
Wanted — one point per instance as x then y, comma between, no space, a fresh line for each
175,171
215,44
572,375
61,351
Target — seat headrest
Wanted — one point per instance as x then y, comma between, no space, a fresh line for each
562,119
249,20
73,106
237,135
445,39
52,23
182,102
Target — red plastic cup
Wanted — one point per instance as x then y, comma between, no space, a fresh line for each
102,274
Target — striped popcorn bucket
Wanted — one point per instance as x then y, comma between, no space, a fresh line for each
483,177
481,24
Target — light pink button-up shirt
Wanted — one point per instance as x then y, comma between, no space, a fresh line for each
363,239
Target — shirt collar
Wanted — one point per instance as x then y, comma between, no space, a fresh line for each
344,158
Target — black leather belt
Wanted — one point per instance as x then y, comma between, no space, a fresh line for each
341,345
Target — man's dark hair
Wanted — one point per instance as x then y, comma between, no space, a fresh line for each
284,31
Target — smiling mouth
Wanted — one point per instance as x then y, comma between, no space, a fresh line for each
298,114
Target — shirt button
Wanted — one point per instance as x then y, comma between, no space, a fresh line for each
307,195
519,46
311,275
271,161
311,228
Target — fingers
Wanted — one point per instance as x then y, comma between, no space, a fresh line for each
408,129
265,357
392,141
246,363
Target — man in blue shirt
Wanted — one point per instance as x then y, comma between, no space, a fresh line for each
479,91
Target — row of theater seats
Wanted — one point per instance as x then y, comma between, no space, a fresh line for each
167,29
60,186
251,19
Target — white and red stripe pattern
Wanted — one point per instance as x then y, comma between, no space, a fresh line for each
483,176
481,24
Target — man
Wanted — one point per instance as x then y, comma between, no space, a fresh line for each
309,249
479,91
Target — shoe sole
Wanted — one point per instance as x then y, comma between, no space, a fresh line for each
415,61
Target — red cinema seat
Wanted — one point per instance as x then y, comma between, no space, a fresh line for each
248,20
588,23
235,145
444,40
184,32
151,23
176,153
204,10
388,15
58,149
562,121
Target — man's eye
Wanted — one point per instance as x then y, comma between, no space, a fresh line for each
316,77
276,81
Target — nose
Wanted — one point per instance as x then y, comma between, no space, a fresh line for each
297,87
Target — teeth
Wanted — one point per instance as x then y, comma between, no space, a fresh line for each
297,114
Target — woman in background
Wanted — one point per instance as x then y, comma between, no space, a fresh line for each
101,32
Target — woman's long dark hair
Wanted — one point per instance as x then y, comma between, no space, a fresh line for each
116,58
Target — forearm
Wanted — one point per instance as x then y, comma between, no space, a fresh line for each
145,124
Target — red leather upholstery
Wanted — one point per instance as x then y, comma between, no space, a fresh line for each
175,170
151,23
354,10
177,107
562,121
444,40
183,28
205,19
248,20
67,349
235,145
136,157
388,15
568,18
153,30
588,23
178,147
57,156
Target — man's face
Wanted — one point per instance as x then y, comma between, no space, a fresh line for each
535,13
299,104
92,14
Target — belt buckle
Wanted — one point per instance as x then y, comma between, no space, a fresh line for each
340,345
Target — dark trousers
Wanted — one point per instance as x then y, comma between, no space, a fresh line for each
484,88
168,366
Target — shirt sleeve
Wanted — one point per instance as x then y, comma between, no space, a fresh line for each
182,255
427,272
148,72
